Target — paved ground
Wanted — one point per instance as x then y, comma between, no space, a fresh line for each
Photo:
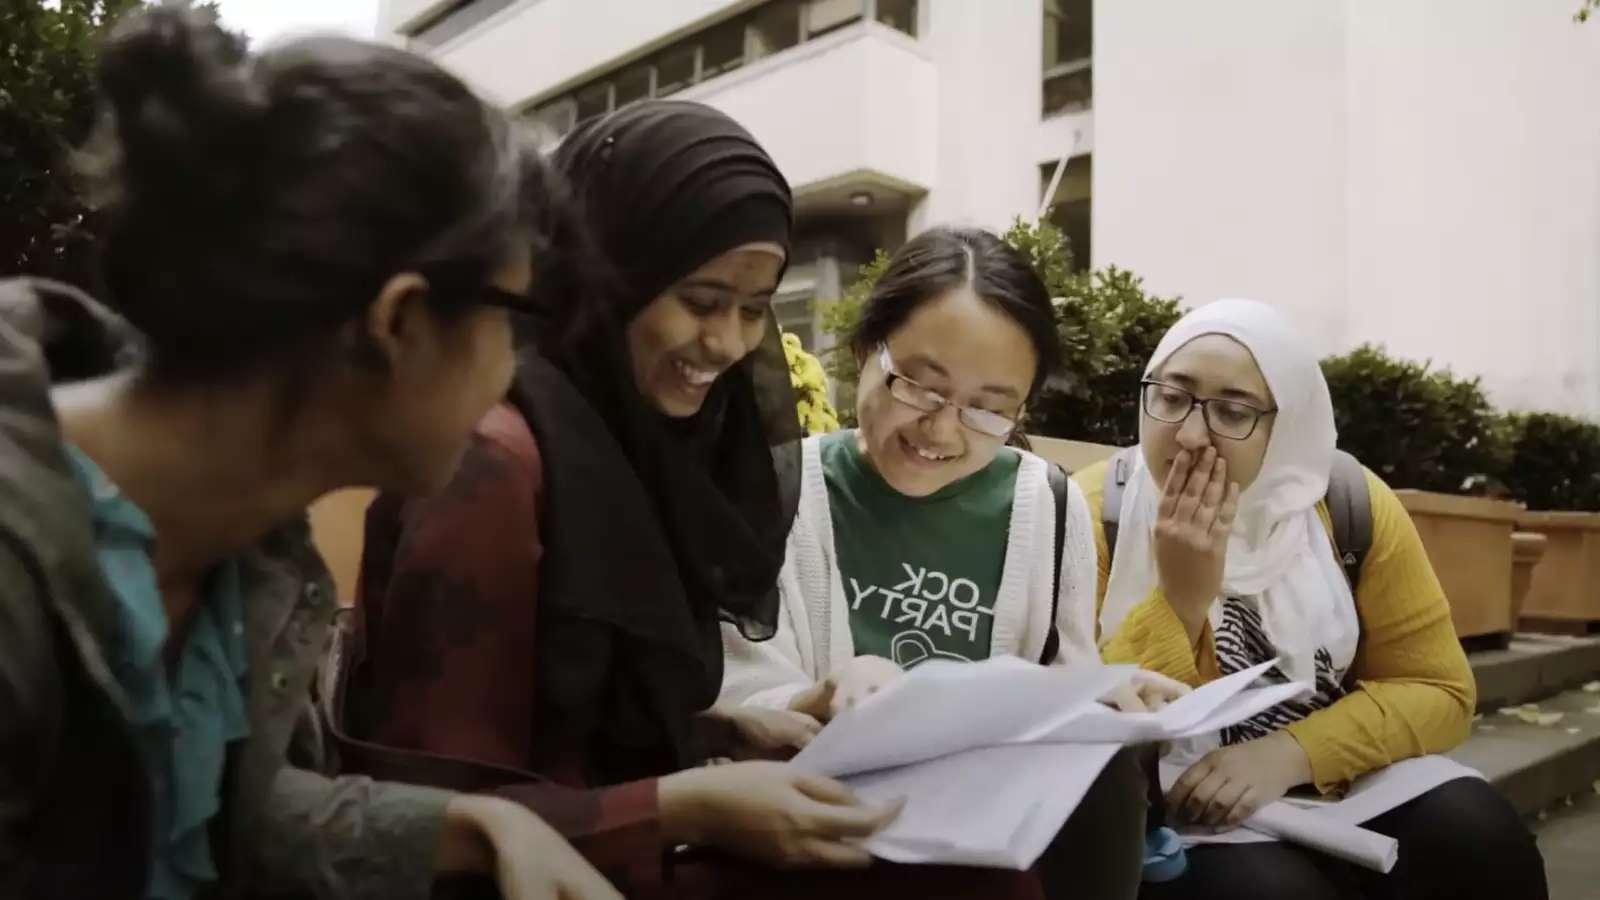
1570,839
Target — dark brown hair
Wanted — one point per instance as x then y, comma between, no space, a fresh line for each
941,259
251,202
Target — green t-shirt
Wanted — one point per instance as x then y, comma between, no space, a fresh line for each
920,573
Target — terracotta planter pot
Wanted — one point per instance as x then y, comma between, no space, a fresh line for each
1468,540
1074,456
1565,592
338,528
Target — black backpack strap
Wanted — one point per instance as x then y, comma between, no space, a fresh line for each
1119,469
1057,476
1350,508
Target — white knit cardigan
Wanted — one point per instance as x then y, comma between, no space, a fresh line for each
813,635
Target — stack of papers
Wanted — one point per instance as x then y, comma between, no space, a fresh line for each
992,757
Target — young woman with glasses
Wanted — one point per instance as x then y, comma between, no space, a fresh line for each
1225,558
921,535
300,252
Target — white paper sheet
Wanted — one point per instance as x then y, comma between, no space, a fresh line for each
1210,707
992,806
1341,840
940,708
1332,825
1376,793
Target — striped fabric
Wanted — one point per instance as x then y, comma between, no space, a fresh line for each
1241,642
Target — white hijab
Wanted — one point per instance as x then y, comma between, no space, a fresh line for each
1279,557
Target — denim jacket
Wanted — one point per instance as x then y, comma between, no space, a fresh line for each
73,803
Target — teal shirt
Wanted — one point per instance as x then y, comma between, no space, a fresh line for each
185,717
921,574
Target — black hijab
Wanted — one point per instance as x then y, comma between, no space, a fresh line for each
656,530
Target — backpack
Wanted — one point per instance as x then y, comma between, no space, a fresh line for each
1349,506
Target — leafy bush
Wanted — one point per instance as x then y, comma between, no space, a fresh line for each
1108,326
839,318
48,53
1417,427
1555,462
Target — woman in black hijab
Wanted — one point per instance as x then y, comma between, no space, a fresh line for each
557,610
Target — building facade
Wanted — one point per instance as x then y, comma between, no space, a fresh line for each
1419,173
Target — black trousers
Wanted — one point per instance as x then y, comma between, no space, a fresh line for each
1099,852
1459,841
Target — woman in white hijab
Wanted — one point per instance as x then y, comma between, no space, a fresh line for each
1224,559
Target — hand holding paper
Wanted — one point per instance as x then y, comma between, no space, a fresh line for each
1231,783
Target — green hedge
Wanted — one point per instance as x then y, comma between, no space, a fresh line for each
1415,426
1555,462
1110,327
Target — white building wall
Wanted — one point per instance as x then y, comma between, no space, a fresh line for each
860,98
1420,173
988,56
1220,144
1475,201
535,45
953,112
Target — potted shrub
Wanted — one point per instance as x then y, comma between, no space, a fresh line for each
1555,468
1436,440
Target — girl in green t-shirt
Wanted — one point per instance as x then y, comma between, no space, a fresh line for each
921,535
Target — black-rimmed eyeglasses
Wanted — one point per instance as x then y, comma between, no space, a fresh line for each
1228,419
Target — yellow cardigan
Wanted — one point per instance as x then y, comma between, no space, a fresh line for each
1412,692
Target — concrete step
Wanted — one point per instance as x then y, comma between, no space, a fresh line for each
1568,838
1537,766
1532,667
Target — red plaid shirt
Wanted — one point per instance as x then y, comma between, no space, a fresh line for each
448,605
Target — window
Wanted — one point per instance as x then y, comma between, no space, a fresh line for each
630,85
823,16
1068,31
1069,90
795,314
1070,208
723,49
454,20
594,100
771,27
901,15
774,27
560,116
675,70
1068,55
